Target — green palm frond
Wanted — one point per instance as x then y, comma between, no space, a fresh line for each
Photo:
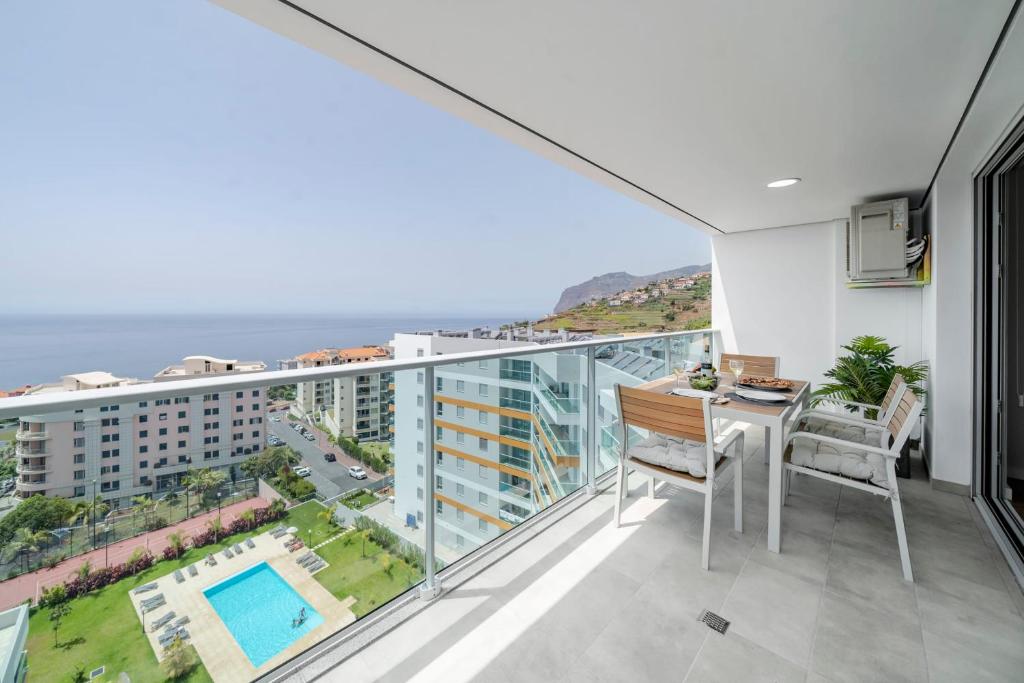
865,375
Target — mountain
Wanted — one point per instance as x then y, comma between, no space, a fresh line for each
611,283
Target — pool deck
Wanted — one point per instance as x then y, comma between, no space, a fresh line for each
222,656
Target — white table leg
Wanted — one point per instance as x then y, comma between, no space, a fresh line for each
764,448
773,444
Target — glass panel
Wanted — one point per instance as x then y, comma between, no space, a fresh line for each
527,454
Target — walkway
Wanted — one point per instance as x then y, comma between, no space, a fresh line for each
21,588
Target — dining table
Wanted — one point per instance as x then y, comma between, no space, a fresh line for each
773,418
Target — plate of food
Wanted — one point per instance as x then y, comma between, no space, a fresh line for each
703,383
764,383
694,393
761,396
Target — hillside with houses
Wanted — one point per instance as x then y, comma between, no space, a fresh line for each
671,303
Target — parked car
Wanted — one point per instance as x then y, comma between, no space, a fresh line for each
303,471
329,457
310,437
356,472
275,418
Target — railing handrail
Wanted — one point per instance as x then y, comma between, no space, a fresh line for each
35,404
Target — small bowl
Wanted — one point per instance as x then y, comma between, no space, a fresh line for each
703,383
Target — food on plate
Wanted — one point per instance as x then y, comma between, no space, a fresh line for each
765,382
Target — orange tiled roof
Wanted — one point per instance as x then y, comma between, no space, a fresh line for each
348,355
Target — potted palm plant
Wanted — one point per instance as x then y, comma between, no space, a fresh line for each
864,376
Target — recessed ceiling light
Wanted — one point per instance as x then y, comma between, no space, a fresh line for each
784,182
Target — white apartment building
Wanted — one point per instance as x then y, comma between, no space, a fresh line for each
350,406
142,447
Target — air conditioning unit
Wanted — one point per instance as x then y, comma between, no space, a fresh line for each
876,241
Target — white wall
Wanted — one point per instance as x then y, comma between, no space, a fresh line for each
948,314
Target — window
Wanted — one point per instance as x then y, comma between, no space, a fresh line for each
482,498
459,514
439,457
440,384
460,412
438,482
162,416
143,418
180,400
143,433
143,404
419,353
79,426
79,458
439,507
419,423
483,444
419,401
460,490
239,408
419,494
460,463
460,386
419,447
419,470
181,444
256,434
79,474
181,414
459,541
255,406
255,393
143,464
483,365
439,434
105,438
419,378
162,447
162,402
79,442
183,429
162,431
419,516
482,524
483,389
238,394
143,449
482,471
79,491
460,437
482,417
440,408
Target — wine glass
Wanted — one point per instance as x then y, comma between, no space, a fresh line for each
680,372
737,369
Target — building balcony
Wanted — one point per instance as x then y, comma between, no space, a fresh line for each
31,485
31,449
31,435
33,467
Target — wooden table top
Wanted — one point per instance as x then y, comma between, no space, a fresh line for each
727,384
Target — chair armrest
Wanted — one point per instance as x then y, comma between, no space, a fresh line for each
865,406
852,445
836,417
730,439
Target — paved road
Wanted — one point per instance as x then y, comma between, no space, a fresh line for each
330,478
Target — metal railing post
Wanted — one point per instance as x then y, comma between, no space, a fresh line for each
431,586
668,356
591,468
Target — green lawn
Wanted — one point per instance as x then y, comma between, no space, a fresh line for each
103,630
359,500
365,578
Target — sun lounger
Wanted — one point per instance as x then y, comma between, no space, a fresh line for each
145,587
178,576
155,598
308,560
192,571
211,560
155,605
319,564
278,532
249,544
237,548
181,621
167,638
162,621
304,557
295,546
227,553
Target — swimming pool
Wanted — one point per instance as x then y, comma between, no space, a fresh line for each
260,609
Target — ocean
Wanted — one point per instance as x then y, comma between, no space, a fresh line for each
37,349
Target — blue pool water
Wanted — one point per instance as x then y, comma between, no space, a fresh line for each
258,607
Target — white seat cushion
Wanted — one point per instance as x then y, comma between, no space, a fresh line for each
840,430
671,453
844,460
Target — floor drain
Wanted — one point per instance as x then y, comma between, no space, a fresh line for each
713,621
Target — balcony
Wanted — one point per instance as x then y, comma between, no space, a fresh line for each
31,435
30,449
31,485
29,468
563,404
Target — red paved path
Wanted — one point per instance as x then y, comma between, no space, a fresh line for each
21,588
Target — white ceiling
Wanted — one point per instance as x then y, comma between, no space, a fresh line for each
691,106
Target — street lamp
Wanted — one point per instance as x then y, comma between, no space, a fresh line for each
106,544
188,463
218,504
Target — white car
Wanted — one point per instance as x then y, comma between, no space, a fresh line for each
356,472
275,419
303,471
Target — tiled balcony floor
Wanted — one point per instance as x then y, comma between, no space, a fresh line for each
586,602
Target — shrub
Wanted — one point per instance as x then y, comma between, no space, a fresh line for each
156,523
203,538
55,595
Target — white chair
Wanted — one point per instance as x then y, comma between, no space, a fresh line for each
681,449
816,419
863,466
760,366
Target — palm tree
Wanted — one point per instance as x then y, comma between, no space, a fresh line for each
79,513
327,514
177,541
204,480
249,516
24,543
216,527
143,504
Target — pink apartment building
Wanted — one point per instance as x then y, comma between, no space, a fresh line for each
138,447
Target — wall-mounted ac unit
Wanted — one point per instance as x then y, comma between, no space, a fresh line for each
877,241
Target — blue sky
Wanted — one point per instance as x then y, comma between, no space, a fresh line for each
174,157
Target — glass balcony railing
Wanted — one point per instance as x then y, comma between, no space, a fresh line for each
467,477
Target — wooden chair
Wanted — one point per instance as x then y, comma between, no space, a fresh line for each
689,420
762,366
882,458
